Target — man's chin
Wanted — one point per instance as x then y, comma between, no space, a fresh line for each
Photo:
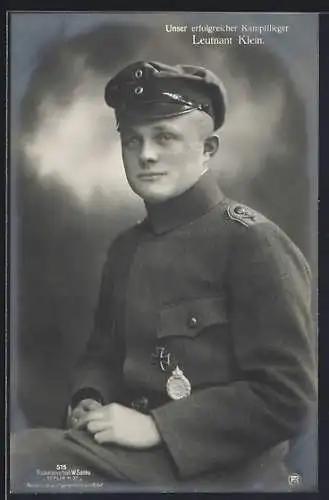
150,192
154,195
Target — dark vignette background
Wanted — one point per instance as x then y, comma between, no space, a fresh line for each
59,239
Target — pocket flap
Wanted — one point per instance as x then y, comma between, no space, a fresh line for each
189,318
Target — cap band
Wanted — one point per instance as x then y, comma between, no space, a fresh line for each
172,105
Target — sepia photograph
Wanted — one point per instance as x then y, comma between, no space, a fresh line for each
163,187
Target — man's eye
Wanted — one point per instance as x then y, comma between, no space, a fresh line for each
164,137
130,141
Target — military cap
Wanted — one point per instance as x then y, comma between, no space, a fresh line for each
153,90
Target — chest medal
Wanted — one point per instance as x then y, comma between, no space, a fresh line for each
178,386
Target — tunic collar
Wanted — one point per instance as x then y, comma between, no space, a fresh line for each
190,205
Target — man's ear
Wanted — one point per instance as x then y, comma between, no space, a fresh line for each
211,145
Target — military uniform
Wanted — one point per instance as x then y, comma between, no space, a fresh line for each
217,289
213,288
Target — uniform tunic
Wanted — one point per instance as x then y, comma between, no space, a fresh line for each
215,288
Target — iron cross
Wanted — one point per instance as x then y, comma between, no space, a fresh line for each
163,357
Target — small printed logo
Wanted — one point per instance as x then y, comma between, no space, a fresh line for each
295,479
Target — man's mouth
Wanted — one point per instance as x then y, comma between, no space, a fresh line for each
147,176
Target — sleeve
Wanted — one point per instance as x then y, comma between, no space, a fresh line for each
99,371
224,427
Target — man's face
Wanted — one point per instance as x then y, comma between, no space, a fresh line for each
164,158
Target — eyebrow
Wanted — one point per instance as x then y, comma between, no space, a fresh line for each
164,128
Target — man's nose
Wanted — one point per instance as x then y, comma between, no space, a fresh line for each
148,154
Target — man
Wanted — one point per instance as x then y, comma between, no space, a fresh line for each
200,367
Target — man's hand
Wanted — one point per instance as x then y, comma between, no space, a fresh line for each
77,420
118,424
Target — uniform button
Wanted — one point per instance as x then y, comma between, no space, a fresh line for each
192,322
241,211
244,212
140,404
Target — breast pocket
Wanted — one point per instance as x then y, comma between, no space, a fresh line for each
195,332
190,318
